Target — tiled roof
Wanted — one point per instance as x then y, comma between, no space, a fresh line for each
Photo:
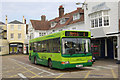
40,25
70,18
45,25
15,22
1,23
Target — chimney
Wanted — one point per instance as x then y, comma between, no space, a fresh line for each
6,20
23,21
61,11
43,18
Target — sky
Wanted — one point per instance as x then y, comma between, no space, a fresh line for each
33,9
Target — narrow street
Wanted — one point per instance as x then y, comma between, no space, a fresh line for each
19,66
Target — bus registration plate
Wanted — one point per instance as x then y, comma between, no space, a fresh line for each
79,65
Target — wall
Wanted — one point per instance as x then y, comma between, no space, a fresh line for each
113,13
4,47
16,31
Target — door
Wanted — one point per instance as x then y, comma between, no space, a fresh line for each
115,48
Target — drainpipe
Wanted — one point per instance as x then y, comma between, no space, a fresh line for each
105,47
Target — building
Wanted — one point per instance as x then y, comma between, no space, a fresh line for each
4,46
16,36
102,19
69,21
38,28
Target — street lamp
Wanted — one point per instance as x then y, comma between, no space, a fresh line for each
83,4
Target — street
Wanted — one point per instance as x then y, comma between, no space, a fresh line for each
19,66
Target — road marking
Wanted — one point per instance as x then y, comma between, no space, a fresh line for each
10,70
27,69
21,75
104,67
112,66
113,73
93,68
58,76
33,67
87,75
40,73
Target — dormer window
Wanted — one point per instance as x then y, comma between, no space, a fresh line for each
53,24
76,16
62,21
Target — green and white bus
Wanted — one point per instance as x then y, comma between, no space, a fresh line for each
65,49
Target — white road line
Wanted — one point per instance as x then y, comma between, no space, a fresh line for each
40,73
93,68
33,67
112,66
21,75
104,67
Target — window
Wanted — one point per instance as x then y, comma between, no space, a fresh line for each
53,24
99,19
12,27
12,36
106,21
76,16
92,23
50,46
39,34
19,35
75,45
96,22
19,27
62,21
100,22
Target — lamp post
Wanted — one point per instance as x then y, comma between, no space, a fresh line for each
83,4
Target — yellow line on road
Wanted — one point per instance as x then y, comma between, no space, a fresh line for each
27,69
87,75
16,75
58,76
10,70
113,73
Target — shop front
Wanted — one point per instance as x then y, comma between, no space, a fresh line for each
104,47
15,48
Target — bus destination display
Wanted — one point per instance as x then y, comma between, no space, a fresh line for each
72,33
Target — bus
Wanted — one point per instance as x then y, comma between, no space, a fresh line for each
64,49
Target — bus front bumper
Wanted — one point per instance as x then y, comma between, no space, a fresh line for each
63,66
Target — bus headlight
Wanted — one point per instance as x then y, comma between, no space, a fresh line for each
89,60
65,62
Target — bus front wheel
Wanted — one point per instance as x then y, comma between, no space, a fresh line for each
50,64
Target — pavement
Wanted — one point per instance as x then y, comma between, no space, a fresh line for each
19,66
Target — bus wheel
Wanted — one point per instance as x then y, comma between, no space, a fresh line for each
35,60
50,64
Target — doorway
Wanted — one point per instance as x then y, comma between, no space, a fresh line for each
115,48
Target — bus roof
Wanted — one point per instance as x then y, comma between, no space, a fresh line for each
54,35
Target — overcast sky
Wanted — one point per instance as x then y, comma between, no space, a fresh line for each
33,9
